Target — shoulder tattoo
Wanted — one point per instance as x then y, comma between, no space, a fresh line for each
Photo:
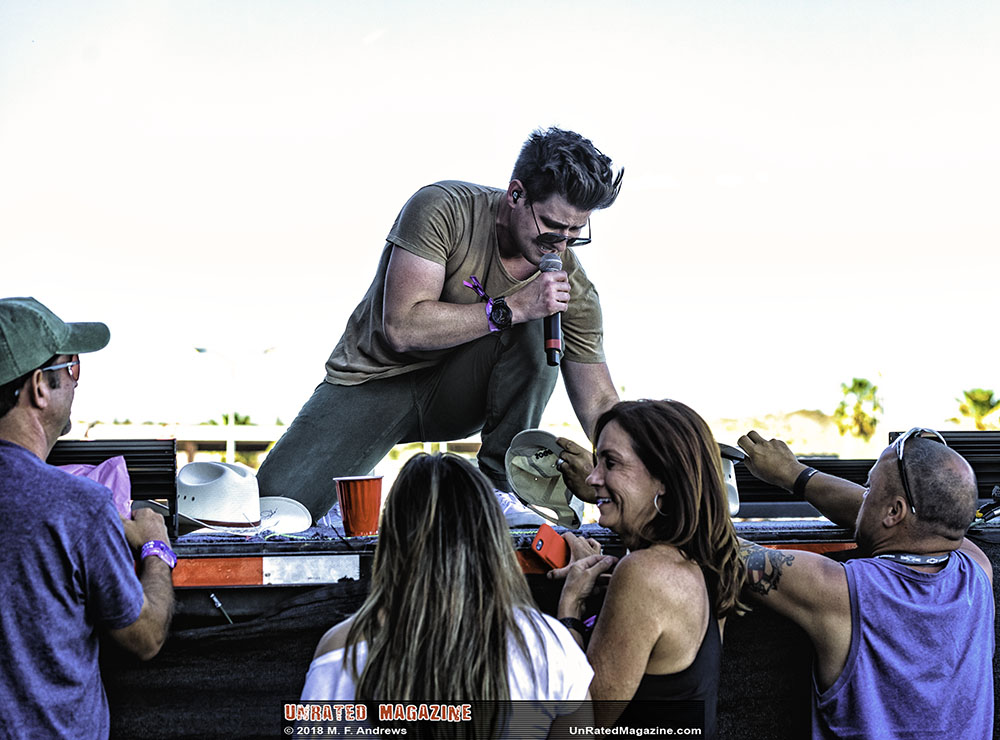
763,566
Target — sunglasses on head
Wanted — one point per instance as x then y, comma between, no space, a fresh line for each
900,445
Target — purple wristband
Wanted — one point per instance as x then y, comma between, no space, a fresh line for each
489,315
161,550
473,282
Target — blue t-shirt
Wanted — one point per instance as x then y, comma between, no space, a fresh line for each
66,573
921,657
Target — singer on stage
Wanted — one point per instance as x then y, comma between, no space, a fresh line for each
451,337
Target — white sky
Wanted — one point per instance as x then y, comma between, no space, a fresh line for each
811,189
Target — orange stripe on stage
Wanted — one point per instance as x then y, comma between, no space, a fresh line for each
816,546
201,572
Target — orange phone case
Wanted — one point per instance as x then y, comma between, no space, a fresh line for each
550,547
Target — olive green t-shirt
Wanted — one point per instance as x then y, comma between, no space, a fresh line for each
453,224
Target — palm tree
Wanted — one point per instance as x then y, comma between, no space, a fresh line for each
979,403
860,417
239,420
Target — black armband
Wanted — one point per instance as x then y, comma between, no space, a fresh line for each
799,489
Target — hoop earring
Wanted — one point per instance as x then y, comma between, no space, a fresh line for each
656,504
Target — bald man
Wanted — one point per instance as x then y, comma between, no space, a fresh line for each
904,636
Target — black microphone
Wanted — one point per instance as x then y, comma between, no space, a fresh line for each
553,324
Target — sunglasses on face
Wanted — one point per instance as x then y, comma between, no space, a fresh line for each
900,445
551,238
72,367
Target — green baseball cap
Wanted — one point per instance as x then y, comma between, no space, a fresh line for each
30,334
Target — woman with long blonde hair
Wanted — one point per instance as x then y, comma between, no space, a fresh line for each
449,616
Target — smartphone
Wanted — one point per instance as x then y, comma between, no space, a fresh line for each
550,547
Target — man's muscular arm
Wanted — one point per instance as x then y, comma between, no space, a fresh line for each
590,390
772,462
416,318
764,567
146,635
809,589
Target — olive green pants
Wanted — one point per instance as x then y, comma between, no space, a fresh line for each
497,385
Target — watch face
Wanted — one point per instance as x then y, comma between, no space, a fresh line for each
501,315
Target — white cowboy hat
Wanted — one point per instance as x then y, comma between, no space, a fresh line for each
223,497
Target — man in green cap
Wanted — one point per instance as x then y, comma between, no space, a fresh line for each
64,584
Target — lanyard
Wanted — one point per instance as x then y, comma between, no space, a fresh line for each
909,558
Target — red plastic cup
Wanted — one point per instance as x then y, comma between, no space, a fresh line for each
360,503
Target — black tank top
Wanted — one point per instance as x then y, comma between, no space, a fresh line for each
675,699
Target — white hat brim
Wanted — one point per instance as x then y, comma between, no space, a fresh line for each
531,470
278,515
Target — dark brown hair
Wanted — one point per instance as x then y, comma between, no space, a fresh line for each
561,162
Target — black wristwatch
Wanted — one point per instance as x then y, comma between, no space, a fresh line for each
498,313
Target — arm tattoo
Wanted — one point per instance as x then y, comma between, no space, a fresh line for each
763,566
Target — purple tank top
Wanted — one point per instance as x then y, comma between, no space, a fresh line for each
921,657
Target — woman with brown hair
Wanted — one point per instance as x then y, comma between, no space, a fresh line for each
659,485
449,616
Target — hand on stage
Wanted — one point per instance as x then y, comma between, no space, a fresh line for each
770,460
145,525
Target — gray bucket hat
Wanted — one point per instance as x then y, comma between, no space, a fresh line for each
30,334
531,470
